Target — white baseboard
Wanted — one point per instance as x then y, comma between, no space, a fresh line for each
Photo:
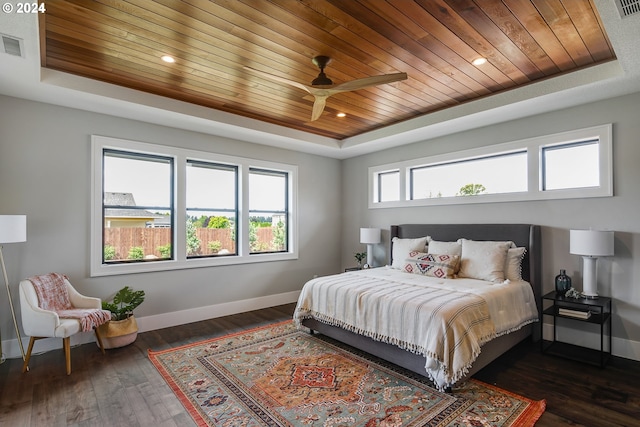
11,349
175,318
621,347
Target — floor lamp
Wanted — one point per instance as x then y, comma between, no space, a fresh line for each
13,229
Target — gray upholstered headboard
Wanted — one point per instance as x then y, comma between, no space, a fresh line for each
523,235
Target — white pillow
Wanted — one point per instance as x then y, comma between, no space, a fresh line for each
402,248
483,260
445,248
513,265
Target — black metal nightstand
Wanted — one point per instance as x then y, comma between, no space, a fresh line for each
599,313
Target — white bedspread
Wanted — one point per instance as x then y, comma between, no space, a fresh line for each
447,321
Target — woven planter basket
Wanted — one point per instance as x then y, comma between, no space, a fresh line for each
118,333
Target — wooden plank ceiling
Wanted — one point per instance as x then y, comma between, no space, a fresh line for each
433,41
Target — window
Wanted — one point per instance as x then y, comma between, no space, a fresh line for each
268,211
212,209
572,164
160,208
138,207
471,177
388,186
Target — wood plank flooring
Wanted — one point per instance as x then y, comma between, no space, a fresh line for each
122,388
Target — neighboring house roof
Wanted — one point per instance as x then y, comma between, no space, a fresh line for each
124,199
119,199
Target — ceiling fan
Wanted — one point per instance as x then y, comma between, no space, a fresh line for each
322,87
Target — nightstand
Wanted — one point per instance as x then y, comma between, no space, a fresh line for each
576,309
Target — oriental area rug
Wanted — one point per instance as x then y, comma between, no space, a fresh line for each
280,376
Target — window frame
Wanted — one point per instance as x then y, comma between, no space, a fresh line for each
235,210
411,170
180,259
557,147
272,172
171,208
534,148
378,184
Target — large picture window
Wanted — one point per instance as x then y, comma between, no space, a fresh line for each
160,208
574,164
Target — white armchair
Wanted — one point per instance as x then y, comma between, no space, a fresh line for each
39,323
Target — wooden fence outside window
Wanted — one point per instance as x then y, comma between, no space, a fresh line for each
152,239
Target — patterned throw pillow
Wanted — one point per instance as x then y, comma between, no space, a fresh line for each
443,266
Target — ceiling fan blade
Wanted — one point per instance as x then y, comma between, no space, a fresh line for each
279,79
318,107
368,82
322,92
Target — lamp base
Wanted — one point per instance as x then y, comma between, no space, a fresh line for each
370,254
590,283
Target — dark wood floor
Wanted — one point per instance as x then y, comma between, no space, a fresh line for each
122,388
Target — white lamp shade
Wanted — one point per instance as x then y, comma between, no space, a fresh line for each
13,228
591,243
370,236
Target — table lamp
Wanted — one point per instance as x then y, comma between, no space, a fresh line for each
370,237
591,244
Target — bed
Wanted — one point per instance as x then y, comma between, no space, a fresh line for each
352,310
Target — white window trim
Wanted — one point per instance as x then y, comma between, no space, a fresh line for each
180,156
533,146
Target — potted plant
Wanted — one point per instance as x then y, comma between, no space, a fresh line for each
360,256
122,329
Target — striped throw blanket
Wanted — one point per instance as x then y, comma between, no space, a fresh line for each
447,321
53,296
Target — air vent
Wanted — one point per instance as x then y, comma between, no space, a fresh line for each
11,45
628,7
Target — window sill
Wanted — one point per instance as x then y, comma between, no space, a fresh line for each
149,267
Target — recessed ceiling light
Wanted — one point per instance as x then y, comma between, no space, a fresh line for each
341,115
167,58
479,61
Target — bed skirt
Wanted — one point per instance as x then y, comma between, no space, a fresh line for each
415,362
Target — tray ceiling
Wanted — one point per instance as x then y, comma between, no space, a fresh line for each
433,41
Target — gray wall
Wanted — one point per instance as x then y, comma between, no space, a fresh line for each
618,276
45,173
